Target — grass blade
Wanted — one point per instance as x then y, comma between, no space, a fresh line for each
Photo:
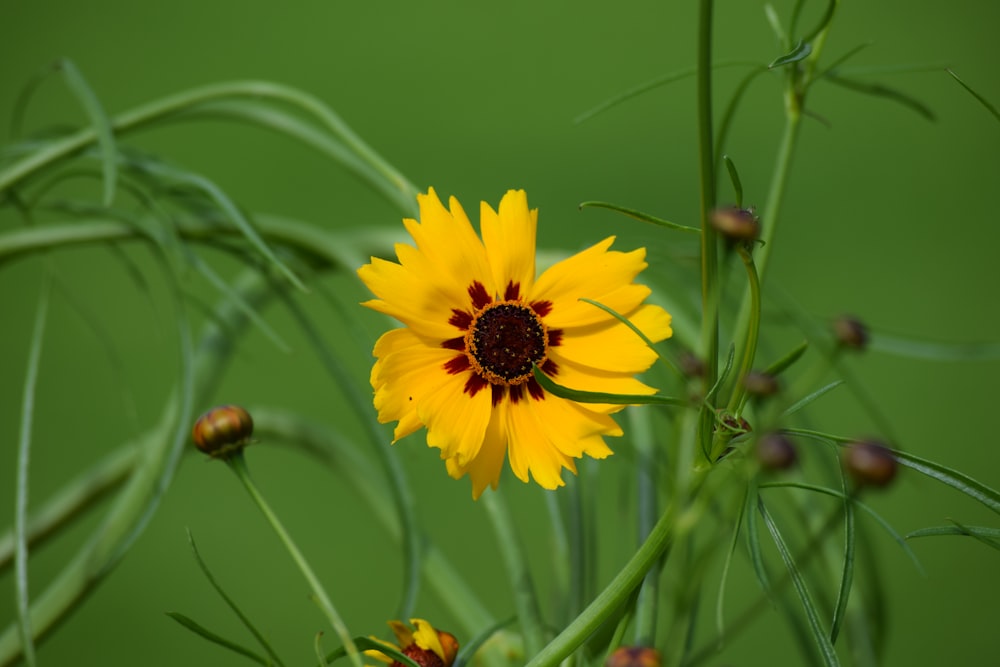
988,536
720,624
639,215
803,402
102,126
982,100
819,635
264,644
602,397
781,365
734,178
216,639
957,480
847,575
23,465
885,92
934,350
753,536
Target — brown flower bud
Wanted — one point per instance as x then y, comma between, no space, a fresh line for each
775,452
870,463
736,224
850,332
223,430
634,656
691,365
759,383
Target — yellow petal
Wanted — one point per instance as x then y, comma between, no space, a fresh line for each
484,469
426,637
615,347
456,422
448,241
404,636
407,372
588,378
405,296
531,450
509,238
595,273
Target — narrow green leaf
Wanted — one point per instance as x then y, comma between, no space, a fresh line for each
369,644
982,100
988,536
318,650
720,624
775,22
102,125
953,478
753,536
934,350
602,397
806,400
23,466
723,374
639,215
832,67
831,9
781,365
734,178
819,635
797,54
468,650
885,92
219,640
635,91
857,503
264,644
847,574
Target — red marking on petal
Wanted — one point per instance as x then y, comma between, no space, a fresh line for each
475,384
555,337
516,392
498,392
460,319
456,343
480,297
541,308
456,365
535,389
550,368
513,291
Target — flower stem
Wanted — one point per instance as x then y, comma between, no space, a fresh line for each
237,463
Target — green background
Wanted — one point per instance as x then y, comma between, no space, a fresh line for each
888,216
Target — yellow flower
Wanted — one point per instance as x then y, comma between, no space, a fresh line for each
426,646
477,319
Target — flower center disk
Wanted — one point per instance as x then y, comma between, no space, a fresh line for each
505,339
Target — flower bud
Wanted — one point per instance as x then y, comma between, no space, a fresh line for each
223,430
634,656
775,452
736,224
870,463
732,424
761,384
850,332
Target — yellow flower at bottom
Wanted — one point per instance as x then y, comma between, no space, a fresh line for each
426,646
477,319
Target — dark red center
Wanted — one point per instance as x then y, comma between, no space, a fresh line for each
506,339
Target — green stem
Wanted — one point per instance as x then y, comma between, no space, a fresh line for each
237,463
709,237
647,511
738,397
525,600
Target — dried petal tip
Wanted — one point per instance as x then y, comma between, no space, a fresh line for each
223,430
759,383
870,463
850,332
776,452
634,656
736,224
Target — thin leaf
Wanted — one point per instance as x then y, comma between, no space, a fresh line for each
781,365
819,635
264,644
602,397
775,22
842,59
831,9
318,649
639,215
982,100
635,91
734,178
102,125
885,92
803,402
720,624
753,536
23,466
797,54
953,478
847,574
988,536
935,350
468,650
216,639
899,539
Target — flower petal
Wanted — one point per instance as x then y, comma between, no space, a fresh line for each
426,637
587,378
456,421
613,346
509,238
405,296
487,465
531,450
595,273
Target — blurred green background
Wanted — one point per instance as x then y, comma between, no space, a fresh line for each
888,216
